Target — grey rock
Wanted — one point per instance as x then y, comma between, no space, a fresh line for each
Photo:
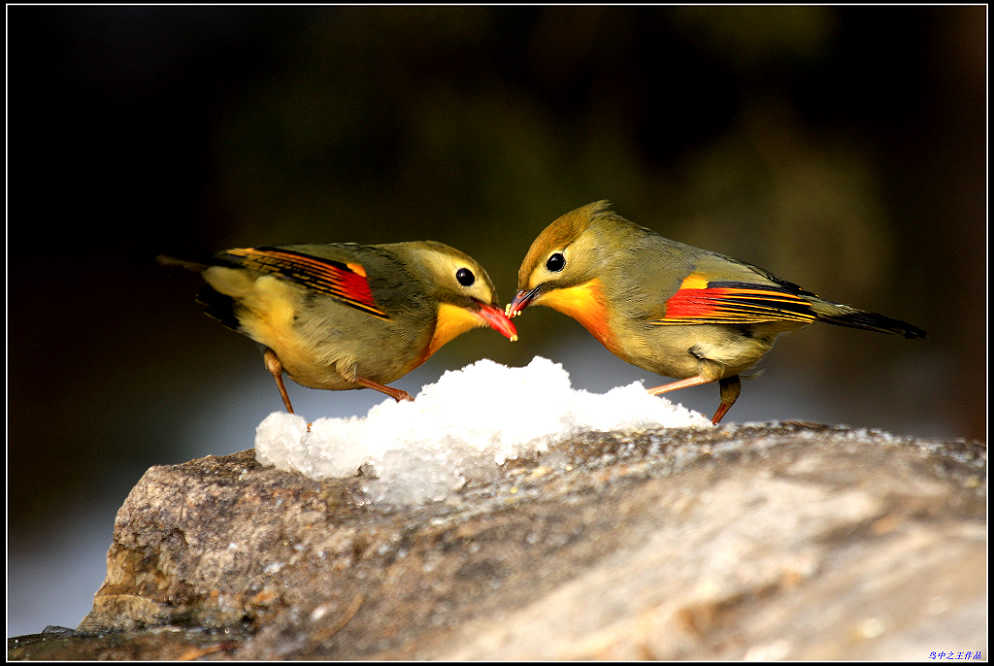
775,541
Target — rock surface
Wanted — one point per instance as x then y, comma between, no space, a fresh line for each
770,541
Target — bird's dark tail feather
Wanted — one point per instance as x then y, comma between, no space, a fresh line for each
215,304
195,266
869,321
218,306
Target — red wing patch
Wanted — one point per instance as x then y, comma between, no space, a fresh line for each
345,282
734,303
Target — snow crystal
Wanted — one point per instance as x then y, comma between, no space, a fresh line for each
459,428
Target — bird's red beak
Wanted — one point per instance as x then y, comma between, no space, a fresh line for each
497,320
521,301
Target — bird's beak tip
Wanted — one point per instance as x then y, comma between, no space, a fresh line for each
498,320
520,301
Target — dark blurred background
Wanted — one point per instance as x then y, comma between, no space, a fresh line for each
843,148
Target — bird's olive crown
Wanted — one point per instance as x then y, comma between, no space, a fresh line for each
452,276
562,254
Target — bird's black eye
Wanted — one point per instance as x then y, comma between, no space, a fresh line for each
465,277
556,262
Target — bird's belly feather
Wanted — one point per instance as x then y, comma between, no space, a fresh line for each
678,351
332,345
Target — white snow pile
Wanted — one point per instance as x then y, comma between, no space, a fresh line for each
459,428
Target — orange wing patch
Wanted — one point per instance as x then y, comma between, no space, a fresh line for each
346,282
701,302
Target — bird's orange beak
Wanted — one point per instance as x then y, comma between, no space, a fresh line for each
521,301
497,320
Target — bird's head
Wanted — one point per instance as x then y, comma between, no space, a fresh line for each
561,268
462,290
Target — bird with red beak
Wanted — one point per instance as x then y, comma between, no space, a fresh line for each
671,308
347,316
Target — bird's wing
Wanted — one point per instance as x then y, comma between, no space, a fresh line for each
343,281
700,300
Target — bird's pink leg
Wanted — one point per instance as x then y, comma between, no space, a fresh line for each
396,394
730,388
696,380
276,369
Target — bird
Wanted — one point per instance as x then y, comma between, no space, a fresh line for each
671,308
342,316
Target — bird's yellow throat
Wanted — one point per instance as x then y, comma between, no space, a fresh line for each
452,321
584,303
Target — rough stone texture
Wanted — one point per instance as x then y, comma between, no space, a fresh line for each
776,541
166,642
